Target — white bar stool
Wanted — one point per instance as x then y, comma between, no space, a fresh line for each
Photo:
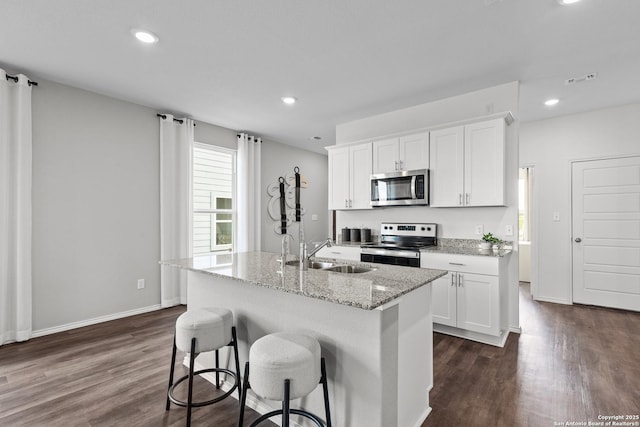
285,366
199,331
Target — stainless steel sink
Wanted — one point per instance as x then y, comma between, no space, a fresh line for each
349,269
316,265
332,266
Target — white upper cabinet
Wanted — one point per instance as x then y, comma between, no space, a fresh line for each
408,152
414,151
484,163
350,176
446,168
467,165
385,155
339,178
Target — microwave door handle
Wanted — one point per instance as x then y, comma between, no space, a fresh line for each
413,187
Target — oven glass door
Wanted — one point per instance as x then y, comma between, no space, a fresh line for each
393,260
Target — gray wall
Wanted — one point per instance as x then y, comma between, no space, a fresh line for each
96,223
95,206
215,135
278,160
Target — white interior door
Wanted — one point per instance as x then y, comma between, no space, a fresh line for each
606,232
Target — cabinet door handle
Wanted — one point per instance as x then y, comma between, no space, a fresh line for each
453,282
460,199
467,197
456,263
400,162
350,203
395,165
346,203
460,284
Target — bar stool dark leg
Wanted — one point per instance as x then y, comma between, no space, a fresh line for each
217,367
235,354
192,359
173,366
285,404
325,388
243,399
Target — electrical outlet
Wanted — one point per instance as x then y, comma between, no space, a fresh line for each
140,283
480,229
556,216
314,217
508,230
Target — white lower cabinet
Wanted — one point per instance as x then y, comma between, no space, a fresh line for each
349,253
471,300
468,301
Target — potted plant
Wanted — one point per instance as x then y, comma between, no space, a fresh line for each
489,241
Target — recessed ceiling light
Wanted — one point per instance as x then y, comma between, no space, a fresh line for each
551,102
145,36
563,2
288,100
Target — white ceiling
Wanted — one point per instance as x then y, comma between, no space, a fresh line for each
228,62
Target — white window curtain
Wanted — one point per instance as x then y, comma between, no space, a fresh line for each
248,193
176,141
15,208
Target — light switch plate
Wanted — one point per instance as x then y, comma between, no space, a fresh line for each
508,230
140,283
479,229
556,216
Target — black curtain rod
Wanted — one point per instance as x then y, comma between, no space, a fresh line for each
15,79
164,116
254,137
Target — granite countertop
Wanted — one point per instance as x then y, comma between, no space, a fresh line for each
466,247
367,291
467,251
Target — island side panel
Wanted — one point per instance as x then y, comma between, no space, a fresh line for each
357,344
415,357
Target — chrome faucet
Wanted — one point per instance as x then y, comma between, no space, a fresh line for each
306,257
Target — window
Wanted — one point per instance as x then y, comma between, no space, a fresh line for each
524,204
213,199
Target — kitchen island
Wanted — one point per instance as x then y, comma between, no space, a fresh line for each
374,328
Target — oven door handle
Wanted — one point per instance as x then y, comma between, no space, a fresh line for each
392,253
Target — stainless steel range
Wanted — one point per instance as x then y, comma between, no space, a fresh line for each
400,244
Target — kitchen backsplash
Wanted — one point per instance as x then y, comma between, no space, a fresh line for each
454,223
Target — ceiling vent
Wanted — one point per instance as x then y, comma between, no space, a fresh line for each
586,77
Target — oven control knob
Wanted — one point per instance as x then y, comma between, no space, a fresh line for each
391,227
422,228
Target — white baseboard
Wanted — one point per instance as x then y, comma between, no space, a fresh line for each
515,329
423,417
553,300
88,322
498,341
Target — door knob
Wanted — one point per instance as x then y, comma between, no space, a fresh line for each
578,240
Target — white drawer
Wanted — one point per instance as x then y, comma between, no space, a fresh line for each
461,263
351,253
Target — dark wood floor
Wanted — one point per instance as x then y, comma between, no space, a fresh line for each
571,363
111,374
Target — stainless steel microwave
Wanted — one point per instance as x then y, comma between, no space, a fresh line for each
400,188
